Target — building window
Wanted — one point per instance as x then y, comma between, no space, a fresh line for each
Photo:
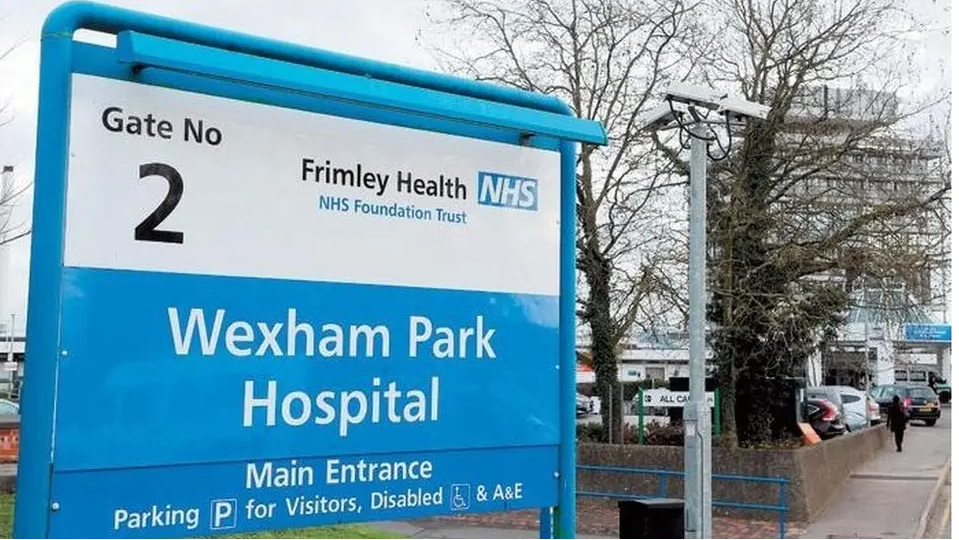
656,373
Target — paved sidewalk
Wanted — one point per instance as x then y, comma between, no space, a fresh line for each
940,519
885,498
438,529
596,518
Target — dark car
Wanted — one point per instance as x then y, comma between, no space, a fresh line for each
922,403
832,395
884,393
825,418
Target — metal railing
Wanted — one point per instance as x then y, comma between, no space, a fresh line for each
663,477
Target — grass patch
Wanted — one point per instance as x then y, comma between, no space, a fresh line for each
332,531
6,515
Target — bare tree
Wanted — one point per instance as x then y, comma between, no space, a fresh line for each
812,196
607,59
10,194
11,229
5,109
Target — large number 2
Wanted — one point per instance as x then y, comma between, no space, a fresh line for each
147,229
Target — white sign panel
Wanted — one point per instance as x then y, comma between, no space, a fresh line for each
233,188
669,398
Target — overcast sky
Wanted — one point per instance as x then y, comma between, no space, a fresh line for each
381,29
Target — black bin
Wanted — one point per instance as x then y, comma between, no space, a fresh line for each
652,518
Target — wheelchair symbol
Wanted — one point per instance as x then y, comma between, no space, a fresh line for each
460,498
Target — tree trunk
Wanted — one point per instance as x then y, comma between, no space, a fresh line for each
603,346
727,405
608,388
756,411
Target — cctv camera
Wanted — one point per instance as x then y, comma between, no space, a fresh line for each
659,117
694,95
738,109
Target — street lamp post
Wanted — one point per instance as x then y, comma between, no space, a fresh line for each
696,415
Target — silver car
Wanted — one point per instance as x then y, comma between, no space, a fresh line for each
861,409
582,405
9,408
855,406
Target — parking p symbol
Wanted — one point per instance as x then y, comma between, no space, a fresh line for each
222,514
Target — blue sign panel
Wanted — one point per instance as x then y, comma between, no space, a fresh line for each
292,493
292,383
274,287
928,332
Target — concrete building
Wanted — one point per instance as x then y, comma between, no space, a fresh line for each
656,357
11,362
12,339
872,169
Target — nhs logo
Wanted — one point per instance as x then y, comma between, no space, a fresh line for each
507,191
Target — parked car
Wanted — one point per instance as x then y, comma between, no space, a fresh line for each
922,403
825,418
9,408
832,395
884,393
875,416
582,405
855,404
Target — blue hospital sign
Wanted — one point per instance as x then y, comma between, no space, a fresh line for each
280,318
928,332
274,287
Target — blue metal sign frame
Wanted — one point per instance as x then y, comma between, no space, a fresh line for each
175,54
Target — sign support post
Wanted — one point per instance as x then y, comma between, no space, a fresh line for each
303,379
567,318
716,413
46,257
641,417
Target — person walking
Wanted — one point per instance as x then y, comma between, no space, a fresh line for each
896,421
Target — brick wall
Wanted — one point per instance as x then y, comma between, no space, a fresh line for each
815,473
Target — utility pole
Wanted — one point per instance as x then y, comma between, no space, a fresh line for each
683,102
13,375
13,322
696,417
